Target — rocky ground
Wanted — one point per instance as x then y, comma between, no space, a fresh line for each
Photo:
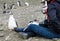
23,15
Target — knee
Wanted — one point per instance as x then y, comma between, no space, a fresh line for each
33,25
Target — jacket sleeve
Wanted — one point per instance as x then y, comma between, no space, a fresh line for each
52,15
52,12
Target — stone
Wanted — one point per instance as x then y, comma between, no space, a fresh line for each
18,3
26,3
5,5
12,6
1,29
4,12
1,35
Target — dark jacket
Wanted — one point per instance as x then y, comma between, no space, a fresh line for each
54,16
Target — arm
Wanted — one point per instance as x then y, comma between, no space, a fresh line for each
52,14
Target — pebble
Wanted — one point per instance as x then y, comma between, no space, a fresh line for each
58,40
1,35
1,29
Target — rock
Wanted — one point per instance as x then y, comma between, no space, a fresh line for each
56,39
1,35
1,24
1,29
26,3
4,12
